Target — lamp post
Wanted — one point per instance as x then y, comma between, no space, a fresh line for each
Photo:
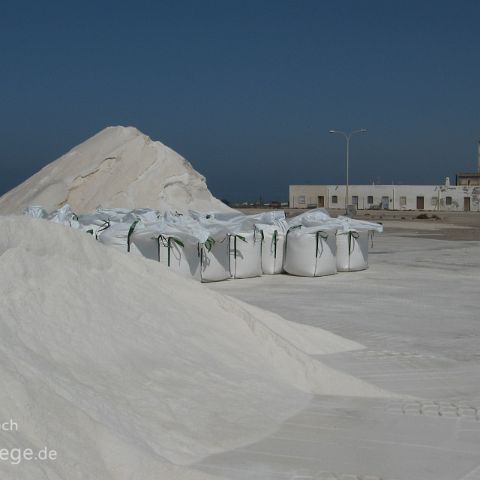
347,138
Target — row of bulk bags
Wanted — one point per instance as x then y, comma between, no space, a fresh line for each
256,242
170,242
235,255
189,249
159,241
241,242
251,252
348,242
217,246
265,251
180,242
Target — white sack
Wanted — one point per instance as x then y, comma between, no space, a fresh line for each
352,243
358,225
183,259
310,218
215,250
246,254
215,260
93,223
146,215
35,211
310,251
64,216
352,250
220,216
268,218
273,247
166,244
113,214
118,236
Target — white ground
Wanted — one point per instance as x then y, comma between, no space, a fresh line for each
130,371
417,310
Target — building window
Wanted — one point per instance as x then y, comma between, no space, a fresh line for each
448,200
301,199
434,201
403,201
355,200
370,199
334,199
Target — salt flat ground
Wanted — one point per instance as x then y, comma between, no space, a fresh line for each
417,312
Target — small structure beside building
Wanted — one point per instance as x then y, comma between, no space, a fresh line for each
470,179
388,197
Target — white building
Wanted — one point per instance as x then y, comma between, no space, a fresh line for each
388,197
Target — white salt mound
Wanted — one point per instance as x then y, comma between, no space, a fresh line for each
130,371
117,167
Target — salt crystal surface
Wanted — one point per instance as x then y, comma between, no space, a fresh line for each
117,167
131,371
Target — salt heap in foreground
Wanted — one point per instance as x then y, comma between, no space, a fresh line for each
130,371
117,167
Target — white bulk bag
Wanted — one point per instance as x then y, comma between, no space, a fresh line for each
310,251
177,250
215,259
273,247
94,223
246,254
146,215
64,216
352,243
147,242
182,256
354,224
115,215
117,235
352,250
35,211
267,218
215,216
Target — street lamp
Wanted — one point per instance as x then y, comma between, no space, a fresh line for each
347,138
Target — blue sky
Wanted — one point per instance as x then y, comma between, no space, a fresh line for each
247,90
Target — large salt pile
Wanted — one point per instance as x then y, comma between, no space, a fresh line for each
130,371
117,167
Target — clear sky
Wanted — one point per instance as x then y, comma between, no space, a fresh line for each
247,90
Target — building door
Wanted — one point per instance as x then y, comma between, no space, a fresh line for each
466,204
355,200
420,203
321,201
385,203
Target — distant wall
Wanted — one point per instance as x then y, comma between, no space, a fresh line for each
388,197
